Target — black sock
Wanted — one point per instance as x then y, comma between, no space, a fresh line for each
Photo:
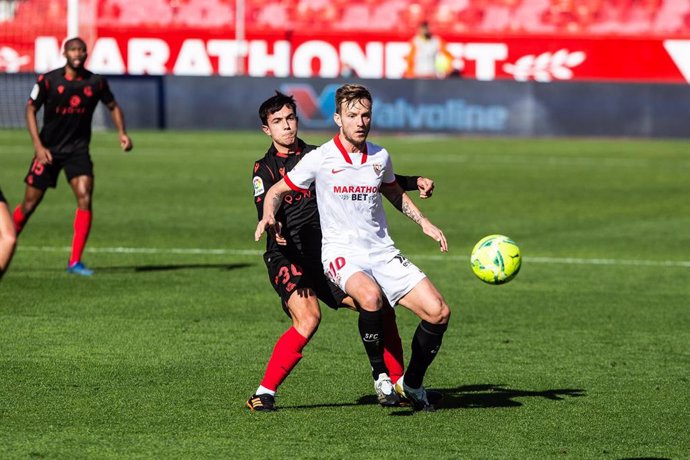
425,345
371,333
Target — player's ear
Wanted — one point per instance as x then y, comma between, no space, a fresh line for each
336,118
265,129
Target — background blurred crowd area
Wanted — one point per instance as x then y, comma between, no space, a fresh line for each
579,17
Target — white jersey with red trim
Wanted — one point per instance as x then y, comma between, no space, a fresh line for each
348,194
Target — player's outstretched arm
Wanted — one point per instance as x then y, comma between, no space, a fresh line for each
119,121
268,222
404,204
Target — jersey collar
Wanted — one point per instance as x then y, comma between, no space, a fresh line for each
298,150
344,152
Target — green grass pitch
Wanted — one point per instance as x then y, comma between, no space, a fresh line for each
586,354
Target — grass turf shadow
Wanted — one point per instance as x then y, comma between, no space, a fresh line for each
482,396
487,396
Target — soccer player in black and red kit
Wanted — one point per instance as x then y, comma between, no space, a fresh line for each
293,260
69,96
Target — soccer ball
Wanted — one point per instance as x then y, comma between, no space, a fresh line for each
496,259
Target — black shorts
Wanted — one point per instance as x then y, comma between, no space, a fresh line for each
287,276
75,164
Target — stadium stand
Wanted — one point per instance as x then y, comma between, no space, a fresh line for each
579,17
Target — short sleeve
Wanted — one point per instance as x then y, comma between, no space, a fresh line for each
106,95
388,174
262,180
304,173
39,92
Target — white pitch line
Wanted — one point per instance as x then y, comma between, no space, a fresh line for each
256,252
579,261
232,252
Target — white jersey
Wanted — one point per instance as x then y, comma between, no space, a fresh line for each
348,195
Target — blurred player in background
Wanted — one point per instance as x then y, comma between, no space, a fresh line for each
7,236
360,257
428,57
69,96
293,260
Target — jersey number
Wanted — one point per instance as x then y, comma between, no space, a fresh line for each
284,275
37,168
334,266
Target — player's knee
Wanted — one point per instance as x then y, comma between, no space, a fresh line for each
307,327
440,312
313,321
371,300
307,321
84,201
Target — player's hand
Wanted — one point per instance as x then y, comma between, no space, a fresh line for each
126,142
435,233
261,227
426,187
275,231
44,156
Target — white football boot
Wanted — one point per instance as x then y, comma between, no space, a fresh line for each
385,392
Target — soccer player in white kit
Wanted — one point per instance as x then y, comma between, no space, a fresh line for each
357,252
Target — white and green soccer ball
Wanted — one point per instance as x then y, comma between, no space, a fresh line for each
496,259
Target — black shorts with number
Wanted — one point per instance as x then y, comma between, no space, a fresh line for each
287,276
75,164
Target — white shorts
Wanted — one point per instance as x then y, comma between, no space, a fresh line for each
393,272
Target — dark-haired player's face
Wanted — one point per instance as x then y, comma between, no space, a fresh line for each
75,53
282,127
355,120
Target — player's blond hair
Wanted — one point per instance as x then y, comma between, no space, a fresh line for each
349,94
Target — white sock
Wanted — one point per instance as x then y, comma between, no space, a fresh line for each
264,391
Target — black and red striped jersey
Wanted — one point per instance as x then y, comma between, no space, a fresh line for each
68,106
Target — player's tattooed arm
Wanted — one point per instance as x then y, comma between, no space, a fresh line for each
395,194
276,199
404,204
411,211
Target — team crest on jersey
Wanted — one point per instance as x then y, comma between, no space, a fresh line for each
74,101
61,89
87,91
258,186
377,168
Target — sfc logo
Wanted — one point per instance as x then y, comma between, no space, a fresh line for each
314,111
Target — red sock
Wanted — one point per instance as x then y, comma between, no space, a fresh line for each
392,346
286,354
19,219
82,227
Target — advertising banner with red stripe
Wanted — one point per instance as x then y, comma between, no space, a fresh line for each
485,58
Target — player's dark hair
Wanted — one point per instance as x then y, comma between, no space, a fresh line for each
72,40
274,104
350,94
